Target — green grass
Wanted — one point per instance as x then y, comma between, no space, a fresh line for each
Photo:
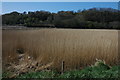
93,72
88,72
98,70
41,74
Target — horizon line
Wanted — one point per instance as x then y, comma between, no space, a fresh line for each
56,11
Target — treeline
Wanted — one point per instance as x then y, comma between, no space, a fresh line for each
95,18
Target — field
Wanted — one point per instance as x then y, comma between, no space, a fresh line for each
76,48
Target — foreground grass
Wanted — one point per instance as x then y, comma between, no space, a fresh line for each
98,70
101,71
92,72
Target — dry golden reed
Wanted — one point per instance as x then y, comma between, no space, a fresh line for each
76,47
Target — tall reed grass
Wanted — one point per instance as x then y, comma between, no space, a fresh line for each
76,47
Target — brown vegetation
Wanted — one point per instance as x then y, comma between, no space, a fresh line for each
77,48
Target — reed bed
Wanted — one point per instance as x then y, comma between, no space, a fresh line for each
76,47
